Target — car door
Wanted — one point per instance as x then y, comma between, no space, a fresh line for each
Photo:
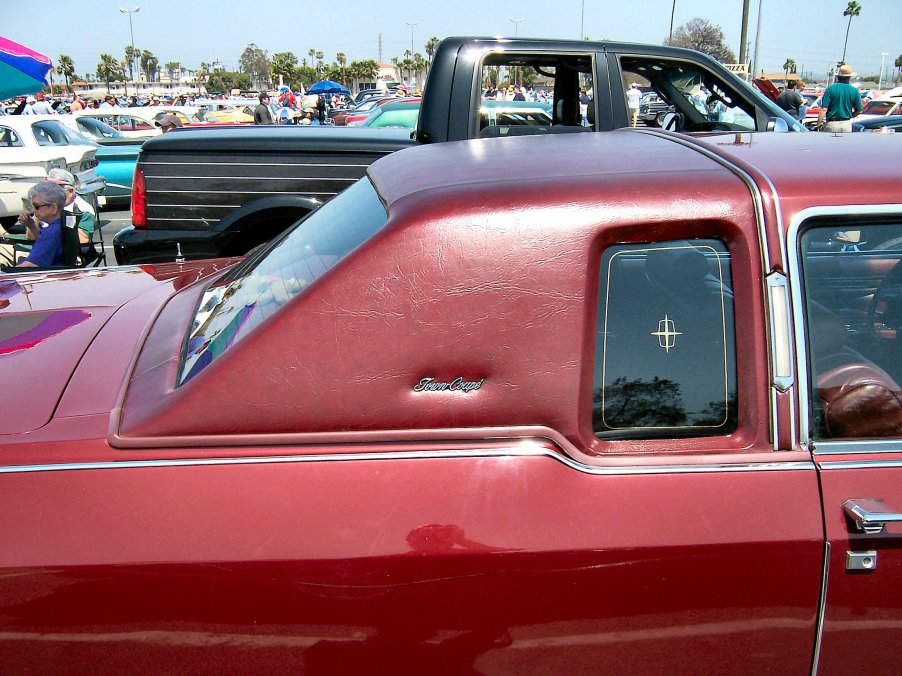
849,261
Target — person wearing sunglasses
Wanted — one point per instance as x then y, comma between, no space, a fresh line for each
45,222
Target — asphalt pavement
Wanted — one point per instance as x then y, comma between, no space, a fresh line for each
111,222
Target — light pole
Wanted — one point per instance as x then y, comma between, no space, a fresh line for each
582,22
516,23
131,31
883,56
411,24
672,14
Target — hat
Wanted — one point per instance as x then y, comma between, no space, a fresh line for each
60,177
845,70
40,97
170,121
283,89
30,99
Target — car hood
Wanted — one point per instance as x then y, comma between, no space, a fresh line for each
49,321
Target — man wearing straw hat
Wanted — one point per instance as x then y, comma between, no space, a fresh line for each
840,103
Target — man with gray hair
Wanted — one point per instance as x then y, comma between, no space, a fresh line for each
46,222
840,103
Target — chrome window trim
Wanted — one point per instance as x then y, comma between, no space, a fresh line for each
860,464
794,263
857,447
761,227
525,449
822,610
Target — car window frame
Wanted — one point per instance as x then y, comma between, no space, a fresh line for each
799,222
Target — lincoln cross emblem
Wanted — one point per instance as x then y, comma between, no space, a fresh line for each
666,333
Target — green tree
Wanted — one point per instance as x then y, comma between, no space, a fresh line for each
283,64
343,61
430,46
150,65
788,66
202,74
898,64
255,62
66,68
703,36
366,71
108,70
320,67
132,54
304,75
852,9
223,81
172,68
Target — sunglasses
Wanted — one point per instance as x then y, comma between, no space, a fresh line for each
35,205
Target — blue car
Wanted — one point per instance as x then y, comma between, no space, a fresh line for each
116,157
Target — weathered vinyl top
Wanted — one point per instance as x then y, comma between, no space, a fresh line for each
480,271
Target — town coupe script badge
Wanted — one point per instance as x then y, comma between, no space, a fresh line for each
456,385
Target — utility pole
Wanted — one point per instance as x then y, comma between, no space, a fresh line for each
743,37
380,49
757,38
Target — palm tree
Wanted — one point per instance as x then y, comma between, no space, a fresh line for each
853,9
149,64
66,68
788,66
202,73
342,60
319,61
107,69
430,46
898,64
132,54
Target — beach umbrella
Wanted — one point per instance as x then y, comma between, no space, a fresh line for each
22,71
327,87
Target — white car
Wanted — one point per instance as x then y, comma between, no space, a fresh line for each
140,122
889,103
30,145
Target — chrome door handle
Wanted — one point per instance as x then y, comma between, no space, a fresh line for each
869,515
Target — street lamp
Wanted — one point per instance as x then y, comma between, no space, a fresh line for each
516,23
883,56
411,24
582,21
131,32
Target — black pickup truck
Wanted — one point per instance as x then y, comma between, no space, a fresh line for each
222,191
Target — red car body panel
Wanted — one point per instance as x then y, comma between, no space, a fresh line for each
297,506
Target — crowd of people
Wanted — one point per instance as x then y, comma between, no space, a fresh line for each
42,104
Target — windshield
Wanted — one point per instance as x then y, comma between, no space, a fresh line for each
258,288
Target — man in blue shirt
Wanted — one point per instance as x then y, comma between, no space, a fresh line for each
47,202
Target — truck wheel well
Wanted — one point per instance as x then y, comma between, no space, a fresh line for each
260,227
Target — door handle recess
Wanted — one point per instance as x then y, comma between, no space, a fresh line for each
869,515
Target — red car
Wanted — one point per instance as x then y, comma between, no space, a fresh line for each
359,112
565,403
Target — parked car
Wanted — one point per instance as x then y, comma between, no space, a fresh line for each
578,403
401,113
116,157
886,124
141,122
881,107
357,115
30,145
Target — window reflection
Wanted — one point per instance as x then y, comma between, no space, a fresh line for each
666,345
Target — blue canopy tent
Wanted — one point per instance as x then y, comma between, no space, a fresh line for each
22,71
328,87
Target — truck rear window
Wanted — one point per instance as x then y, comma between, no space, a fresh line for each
260,286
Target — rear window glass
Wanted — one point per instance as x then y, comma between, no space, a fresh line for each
260,286
666,364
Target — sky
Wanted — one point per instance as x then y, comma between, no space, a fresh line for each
811,32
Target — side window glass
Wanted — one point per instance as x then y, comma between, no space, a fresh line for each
535,93
665,350
9,138
702,101
853,311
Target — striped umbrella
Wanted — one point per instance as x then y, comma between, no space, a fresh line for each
22,71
